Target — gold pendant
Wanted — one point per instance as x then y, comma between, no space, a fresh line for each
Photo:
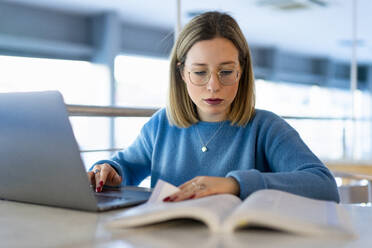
204,149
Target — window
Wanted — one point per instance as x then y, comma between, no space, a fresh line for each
140,82
328,139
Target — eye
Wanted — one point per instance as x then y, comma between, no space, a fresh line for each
200,73
226,72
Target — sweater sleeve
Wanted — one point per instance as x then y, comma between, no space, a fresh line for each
133,164
293,167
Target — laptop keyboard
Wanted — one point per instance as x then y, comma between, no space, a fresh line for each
109,198
121,197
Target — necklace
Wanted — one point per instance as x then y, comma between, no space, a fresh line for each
204,146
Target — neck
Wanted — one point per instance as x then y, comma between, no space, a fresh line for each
212,117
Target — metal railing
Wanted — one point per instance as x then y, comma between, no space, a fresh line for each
100,111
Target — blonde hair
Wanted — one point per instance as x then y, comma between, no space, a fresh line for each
181,111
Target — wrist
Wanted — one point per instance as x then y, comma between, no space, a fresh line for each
235,187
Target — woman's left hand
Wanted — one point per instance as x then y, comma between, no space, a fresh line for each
203,186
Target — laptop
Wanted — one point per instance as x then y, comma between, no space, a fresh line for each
40,159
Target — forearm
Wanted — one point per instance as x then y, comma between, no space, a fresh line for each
313,182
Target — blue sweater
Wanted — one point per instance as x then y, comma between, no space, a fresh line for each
267,153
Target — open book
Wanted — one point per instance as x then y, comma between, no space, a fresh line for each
269,208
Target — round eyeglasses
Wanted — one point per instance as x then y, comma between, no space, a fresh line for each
201,77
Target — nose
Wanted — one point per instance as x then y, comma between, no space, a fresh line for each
214,83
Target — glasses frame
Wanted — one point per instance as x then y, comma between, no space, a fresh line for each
218,75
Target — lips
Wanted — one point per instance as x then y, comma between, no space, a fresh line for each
213,101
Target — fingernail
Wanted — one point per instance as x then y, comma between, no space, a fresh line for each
192,196
101,183
166,199
98,189
173,198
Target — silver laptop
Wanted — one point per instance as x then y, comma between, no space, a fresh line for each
40,160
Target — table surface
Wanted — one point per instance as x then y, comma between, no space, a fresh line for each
28,225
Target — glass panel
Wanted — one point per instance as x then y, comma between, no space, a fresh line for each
127,129
302,100
325,138
80,82
328,139
141,81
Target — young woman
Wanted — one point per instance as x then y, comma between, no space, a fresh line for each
210,139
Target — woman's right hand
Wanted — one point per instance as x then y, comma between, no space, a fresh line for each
103,174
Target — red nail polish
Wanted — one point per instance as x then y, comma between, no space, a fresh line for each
101,183
98,189
166,199
192,196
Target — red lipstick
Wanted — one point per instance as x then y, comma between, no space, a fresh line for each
213,101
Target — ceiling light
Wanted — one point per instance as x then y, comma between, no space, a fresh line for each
349,43
292,4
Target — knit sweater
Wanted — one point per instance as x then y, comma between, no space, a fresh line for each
267,153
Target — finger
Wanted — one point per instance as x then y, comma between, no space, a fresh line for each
192,186
115,179
188,183
188,192
97,176
192,191
203,192
105,170
185,185
183,196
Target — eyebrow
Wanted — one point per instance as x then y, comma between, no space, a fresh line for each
223,63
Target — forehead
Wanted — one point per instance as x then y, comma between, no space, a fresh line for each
212,52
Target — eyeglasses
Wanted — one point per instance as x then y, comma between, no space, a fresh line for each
201,77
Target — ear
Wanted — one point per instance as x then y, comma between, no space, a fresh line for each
182,75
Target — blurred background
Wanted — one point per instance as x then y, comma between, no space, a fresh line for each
312,63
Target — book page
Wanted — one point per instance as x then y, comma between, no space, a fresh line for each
211,210
162,189
288,212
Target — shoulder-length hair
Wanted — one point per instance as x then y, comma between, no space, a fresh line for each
181,111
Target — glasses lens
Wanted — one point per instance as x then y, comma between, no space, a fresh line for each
228,76
199,77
